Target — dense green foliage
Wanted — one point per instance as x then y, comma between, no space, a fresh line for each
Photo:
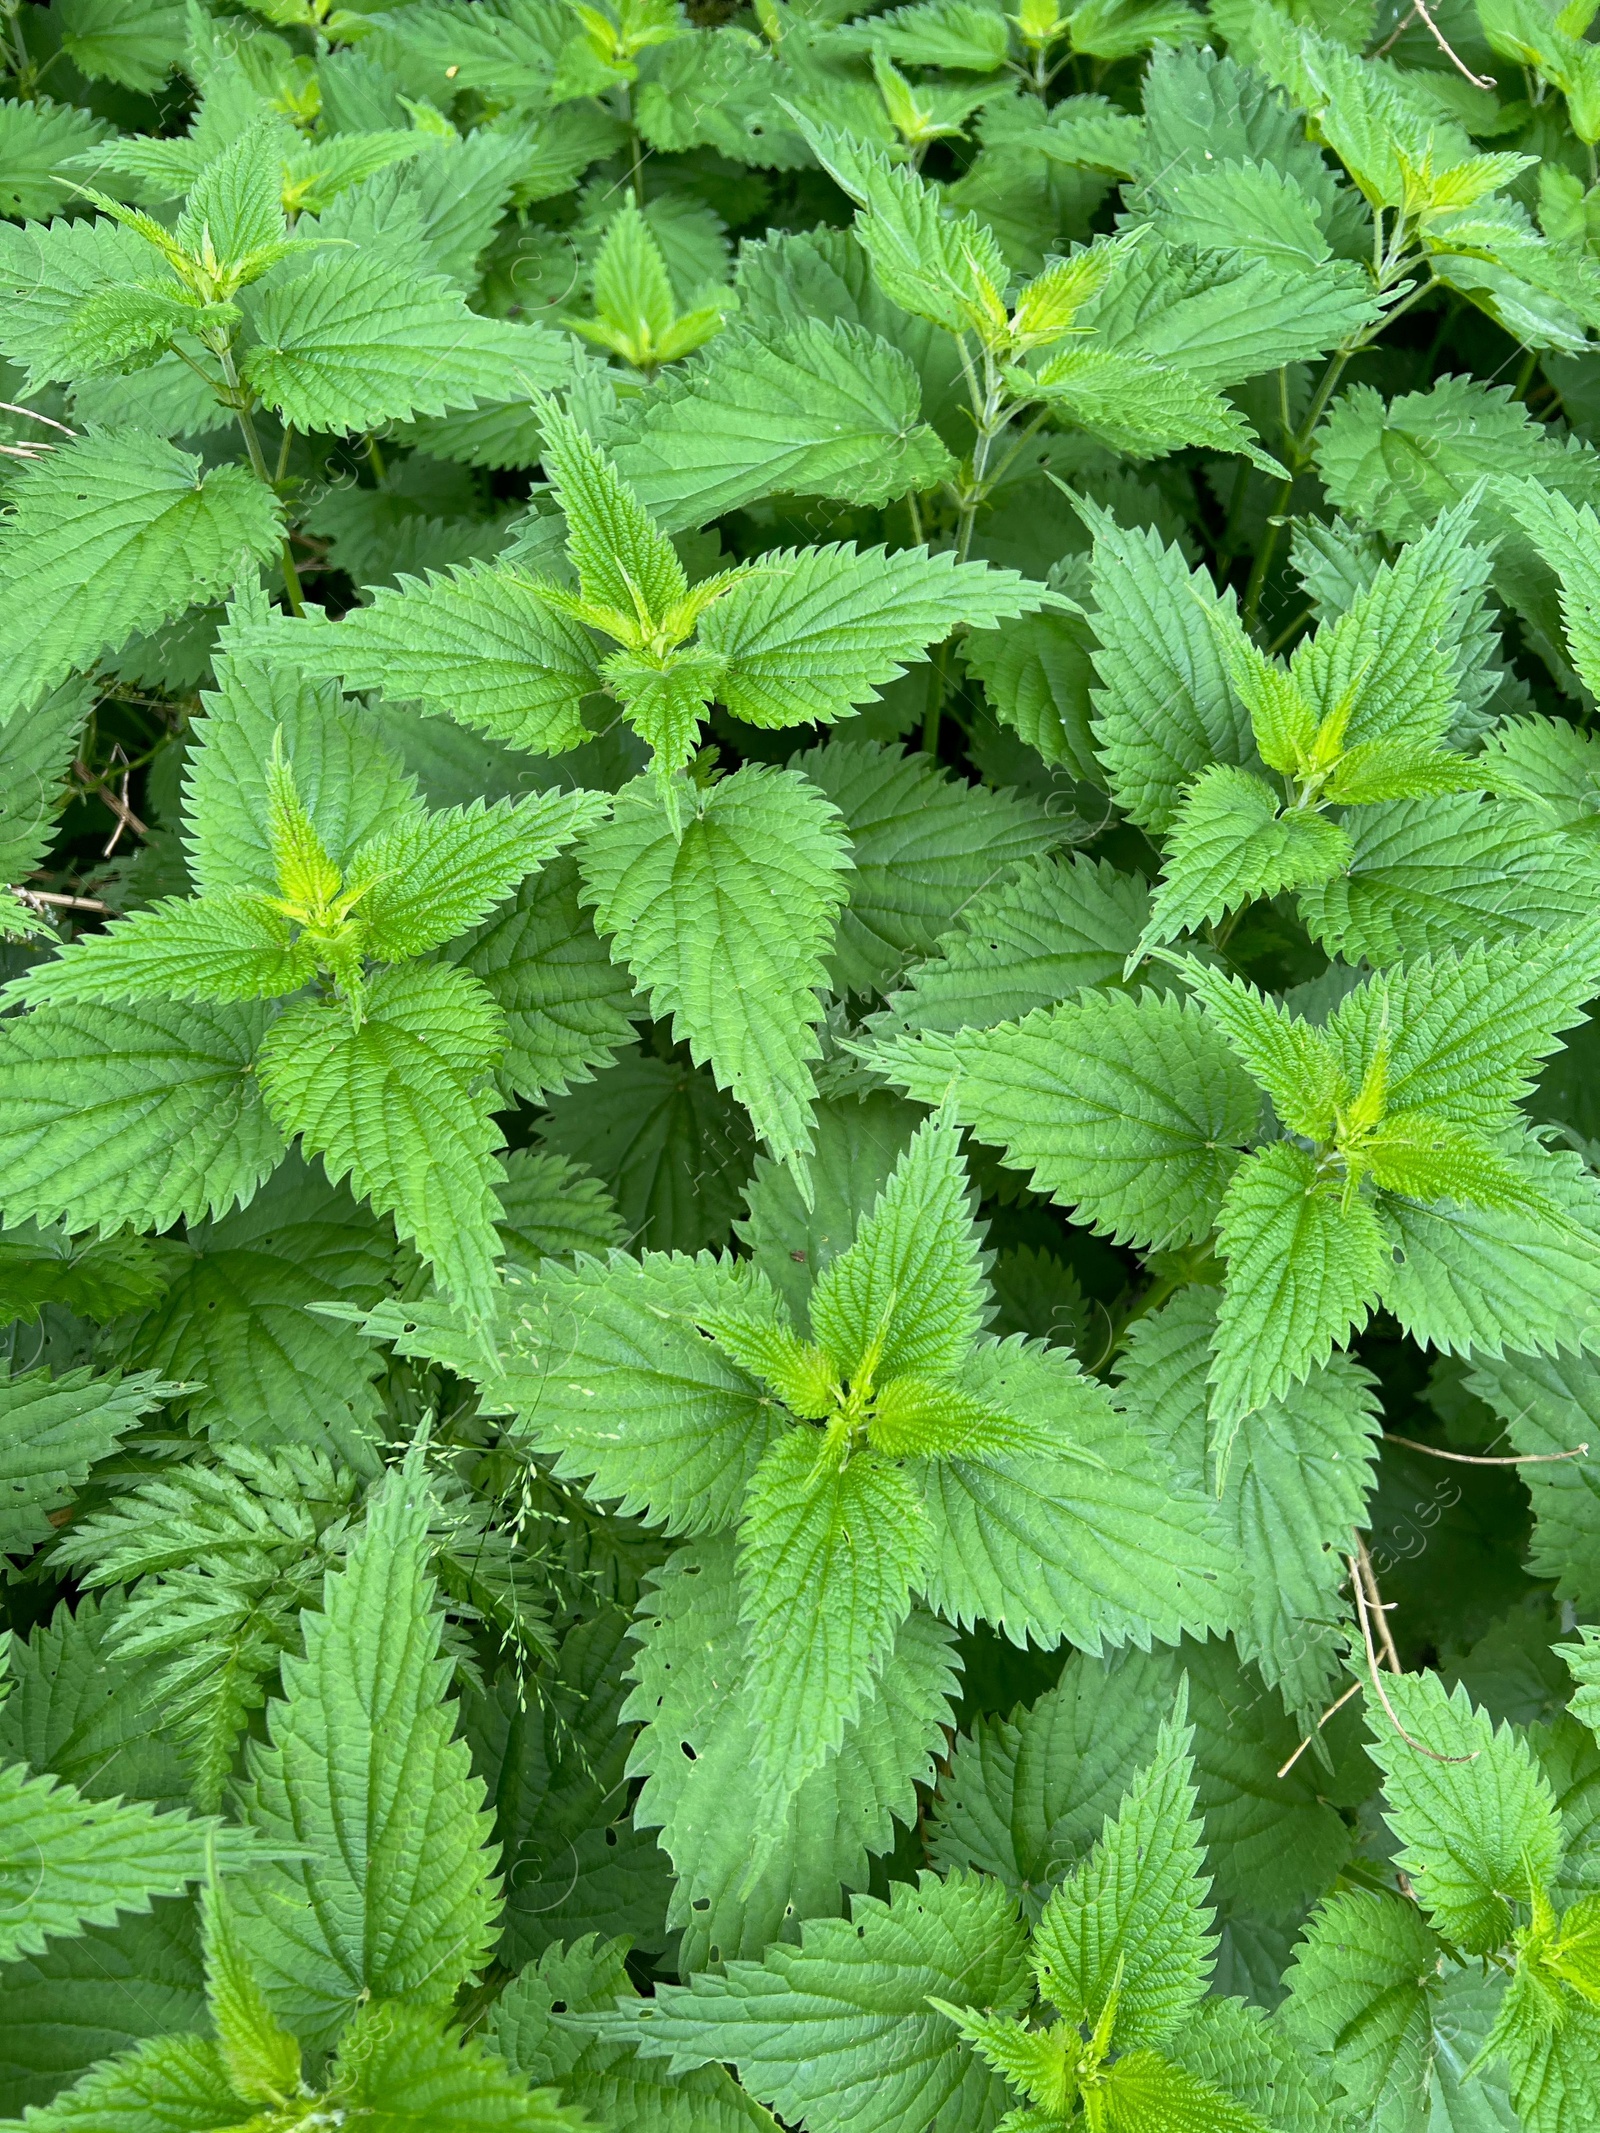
800,1066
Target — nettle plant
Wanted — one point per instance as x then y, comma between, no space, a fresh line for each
799,1156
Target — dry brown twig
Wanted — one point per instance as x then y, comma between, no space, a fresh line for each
1435,1451
1369,1602
1418,12
1368,1599
29,449
45,898
117,802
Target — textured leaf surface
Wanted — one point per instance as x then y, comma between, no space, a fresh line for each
394,1896
388,1105
1475,1828
113,535
171,1086
821,410
52,1431
828,1556
1084,1535
924,846
348,344
726,927
1132,1110
745,1874
838,2031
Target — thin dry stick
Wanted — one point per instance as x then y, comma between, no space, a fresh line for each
1358,1582
117,802
1369,1578
1338,1705
1434,1451
28,449
10,407
1419,12
67,903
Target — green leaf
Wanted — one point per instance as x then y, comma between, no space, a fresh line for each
172,1088
555,1764
931,264
725,923
67,1862
36,750
232,946
35,139
568,1008
1425,875
350,783
173,2084
1229,844
235,1326
681,1431
1552,1405
1225,318
74,1714
130,42
1476,1820
1025,1797
1478,1281
54,1431
87,1999
1364,1984
1146,2093
113,536
1128,1930
352,341
1084,1533
393,1896
622,558
825,408
1142,408
828,1555
924,845
400,2070
388,1102
607,2078
475,644
1303,1271
1293,1061
859,1142
674,1150
1247,207
907,1294
1564,535
744,1874
1298,1479
838,2032
1461,1031
263,2060
433,876
552,1209
1037,674
1130,1109
1166,708
811,633
1057,928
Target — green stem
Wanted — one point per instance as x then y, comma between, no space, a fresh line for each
375,460
1296,453
938,685
635,148
991,417
258,466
